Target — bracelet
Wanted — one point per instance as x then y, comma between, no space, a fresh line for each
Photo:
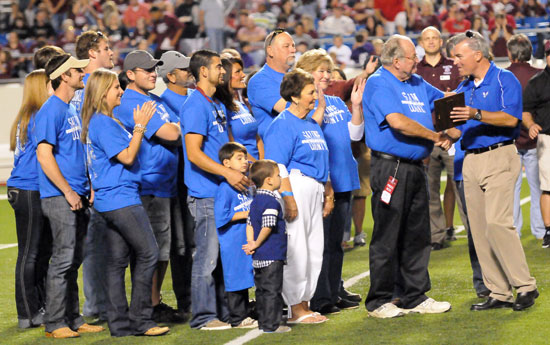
285,193
139,128
329,197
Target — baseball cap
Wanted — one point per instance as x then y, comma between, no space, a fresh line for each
67,65
140,59
172,60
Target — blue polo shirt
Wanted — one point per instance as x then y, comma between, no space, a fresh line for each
115,185
58,124
174,101
201,115
25,165
159,163
500,90
344,175
298,144
458,161
244,128
264,90
385,94
78,98
238,273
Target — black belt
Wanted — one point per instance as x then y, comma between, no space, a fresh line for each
389,157
489,148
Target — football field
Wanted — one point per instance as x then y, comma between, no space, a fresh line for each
451,280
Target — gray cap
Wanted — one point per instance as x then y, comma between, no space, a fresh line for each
140,59
172,60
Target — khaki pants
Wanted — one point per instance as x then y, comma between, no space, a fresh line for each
489,180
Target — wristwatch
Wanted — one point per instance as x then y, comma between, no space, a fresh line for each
477,115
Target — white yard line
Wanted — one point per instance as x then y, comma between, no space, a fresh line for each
9,245
255,333
3,197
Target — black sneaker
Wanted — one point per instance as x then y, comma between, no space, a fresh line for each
329,309
546,240
450,234
345,304
163,313
350,296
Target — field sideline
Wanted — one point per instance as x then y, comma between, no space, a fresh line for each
451,281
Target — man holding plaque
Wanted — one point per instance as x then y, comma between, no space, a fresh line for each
398,128
491,167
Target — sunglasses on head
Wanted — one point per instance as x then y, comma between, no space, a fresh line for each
98,36
275,33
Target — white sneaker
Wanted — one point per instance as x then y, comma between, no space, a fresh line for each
248,323
430,306
386,311
359,239
215,325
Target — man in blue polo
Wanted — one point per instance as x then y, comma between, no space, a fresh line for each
493,113
264,87
203,123
398,128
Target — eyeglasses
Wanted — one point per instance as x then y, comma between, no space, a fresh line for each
469,34
413,58
98,36
273,34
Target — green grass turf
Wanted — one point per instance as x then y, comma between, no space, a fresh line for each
451,281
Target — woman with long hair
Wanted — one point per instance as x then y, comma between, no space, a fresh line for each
33,235
242,126
115,175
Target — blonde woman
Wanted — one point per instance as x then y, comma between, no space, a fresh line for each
337,124
114,172
33,242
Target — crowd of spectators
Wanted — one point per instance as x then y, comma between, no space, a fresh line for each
188,25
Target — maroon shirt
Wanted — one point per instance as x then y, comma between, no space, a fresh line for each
166,27
523,71
444,75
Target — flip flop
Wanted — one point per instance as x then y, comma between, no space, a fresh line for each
303,317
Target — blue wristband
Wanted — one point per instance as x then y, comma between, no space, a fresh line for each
283,194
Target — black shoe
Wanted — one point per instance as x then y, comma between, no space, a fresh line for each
329,309
437,246
491,303
450,234
525,299
163,313
483,294
546,240
345,304
350,296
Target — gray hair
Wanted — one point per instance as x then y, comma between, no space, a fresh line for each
520,48
475,41
392,49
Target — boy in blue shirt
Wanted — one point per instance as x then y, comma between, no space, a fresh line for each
267,241
230,212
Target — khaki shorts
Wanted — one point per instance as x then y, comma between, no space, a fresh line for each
363,163
543,155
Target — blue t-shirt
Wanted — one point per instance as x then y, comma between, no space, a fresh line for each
275,245
174,101
264,90
115,185
201,115
159,163
25,165
78,98
244,128
238,273
298,144
500,90
385,94
344,175
58,124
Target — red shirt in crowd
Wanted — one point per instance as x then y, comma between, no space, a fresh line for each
389,8
453,26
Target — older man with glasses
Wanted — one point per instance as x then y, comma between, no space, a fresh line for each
493,113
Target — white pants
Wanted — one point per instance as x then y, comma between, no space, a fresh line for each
305,240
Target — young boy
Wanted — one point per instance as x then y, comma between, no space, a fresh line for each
267,241
230,213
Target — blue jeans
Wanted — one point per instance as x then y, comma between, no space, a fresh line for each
34,245
530,162
68,231
207,287
93,267
129,232
334,225
216,38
